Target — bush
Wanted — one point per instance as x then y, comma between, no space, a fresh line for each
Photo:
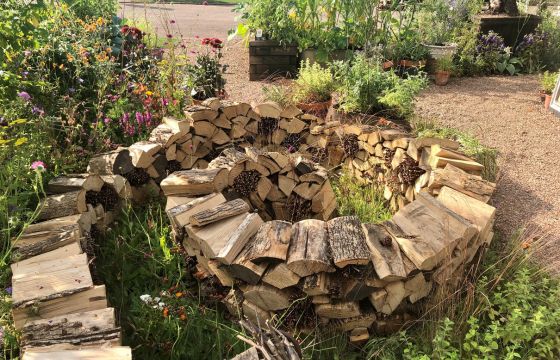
313,84
548,81
366,88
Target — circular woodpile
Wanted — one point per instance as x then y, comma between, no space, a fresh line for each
249,196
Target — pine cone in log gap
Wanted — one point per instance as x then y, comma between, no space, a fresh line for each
107,197
267,126
408,171
246,182
292,142
318,155
298,208
137,177
388,156
350,144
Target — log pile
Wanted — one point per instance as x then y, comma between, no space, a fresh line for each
404,166
359,278
248,199
59,308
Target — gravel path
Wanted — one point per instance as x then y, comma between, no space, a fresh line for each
505,113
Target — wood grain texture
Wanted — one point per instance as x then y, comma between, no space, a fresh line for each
347,241
309,251
220,212
271,241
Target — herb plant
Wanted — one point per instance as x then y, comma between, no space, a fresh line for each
313,84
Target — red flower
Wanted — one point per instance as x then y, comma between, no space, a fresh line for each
214,42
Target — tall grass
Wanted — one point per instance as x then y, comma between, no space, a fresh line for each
138,258
469,144
364,201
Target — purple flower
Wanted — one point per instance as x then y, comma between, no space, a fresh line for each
107,120
38,166
9,290
24,95
139,118
165,102
25,74
37,110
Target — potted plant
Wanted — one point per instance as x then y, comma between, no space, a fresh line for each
410,52
436,21
444,67
548,82
313,88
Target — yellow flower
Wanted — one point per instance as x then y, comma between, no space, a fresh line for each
149,93
61,66
69,57
292,14
99,21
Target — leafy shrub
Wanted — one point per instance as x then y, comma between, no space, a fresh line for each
444,64
365,87
207,72
313,84
92,8
548,81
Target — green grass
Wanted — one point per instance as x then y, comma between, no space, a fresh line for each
364,201
469,145
198,2
138,258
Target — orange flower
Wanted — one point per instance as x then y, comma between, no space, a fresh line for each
183,317
69,57
165,312
178,294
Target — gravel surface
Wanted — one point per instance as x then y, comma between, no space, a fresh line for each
502,112
505,113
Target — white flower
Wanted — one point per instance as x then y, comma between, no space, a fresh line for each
161,305
157,299
146,298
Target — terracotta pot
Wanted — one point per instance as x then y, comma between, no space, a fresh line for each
387,65
547,100
542,95
317,107
442,77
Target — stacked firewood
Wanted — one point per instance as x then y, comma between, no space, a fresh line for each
402,165
276,185
354,277
58,304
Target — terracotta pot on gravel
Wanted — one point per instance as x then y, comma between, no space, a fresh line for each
442,77
542,95
316,107
547,100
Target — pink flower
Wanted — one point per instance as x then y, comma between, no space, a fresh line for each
38,166
24,95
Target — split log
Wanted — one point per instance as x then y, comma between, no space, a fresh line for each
142,153
359,335
221,273
83,220
341,310
280,276
417,288
112,353
77,329
50,279
268,110
244,269
388,299
271,241
177,125
84,301
385,253
239,238
180,215
471,185
416,145
220,212
195,182
255,314
32,244
66,204
119,184
347,241
197,113
475,211
75,182
266,297
309,253
316,284
116,162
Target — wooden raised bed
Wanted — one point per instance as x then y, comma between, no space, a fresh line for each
268,58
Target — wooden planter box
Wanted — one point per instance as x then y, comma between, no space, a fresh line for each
267,58
511,28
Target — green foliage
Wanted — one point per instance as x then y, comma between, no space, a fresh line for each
206,74
364,201
92,8
365,87
148,279
469,145
548,81
313,84
445,64
279,94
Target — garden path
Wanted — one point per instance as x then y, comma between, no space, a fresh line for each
505,113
